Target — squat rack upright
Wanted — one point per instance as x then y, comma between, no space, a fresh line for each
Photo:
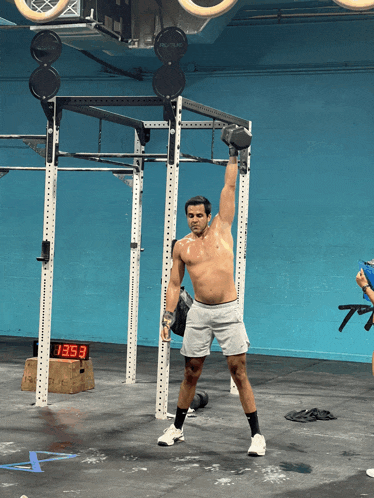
172,121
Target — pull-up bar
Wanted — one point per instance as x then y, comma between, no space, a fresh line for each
31,168
146,157
110,154
23,137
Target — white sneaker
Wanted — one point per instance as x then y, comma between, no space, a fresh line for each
171,435
258,445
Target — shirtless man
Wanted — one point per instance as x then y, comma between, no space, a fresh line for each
207,252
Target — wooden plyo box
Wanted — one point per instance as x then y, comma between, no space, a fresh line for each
65,376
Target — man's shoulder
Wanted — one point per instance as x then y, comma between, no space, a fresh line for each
185,240
181,243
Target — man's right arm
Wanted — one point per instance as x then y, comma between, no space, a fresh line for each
173,290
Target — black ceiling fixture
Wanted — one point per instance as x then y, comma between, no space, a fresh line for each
170,46
44,82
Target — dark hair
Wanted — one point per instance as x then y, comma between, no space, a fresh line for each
196,201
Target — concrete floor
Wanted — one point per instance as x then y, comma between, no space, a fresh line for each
107,437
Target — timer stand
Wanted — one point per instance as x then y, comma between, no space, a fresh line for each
65,376
70,368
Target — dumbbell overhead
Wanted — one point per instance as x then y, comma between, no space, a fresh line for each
236,137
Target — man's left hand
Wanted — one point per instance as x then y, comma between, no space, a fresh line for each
165,334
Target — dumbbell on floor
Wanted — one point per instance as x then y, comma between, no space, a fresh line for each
200,400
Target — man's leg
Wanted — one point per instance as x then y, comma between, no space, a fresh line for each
192,371
238,370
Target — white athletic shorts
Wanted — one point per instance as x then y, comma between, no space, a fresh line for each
208,321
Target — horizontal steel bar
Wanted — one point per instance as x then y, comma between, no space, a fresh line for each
106,115
198,159
218,162
109,154
15,26
108,161
204,110
185,124
94,156
189,160
109,101
27,168
23,137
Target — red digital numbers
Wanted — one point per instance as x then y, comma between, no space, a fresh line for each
74,350
65,351
82,352
57,349
71,351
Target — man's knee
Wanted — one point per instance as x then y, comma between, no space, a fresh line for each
240,379
237,367
193,369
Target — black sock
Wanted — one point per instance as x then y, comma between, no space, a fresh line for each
253,423
180,417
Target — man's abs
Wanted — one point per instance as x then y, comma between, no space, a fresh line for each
212,285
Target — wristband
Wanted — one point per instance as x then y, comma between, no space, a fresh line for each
365,287
168,319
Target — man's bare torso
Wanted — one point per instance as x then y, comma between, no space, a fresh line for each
210,263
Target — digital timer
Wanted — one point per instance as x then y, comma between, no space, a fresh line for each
66,350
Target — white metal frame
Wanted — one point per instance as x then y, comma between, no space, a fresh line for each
174,124
242,228
242,231
171,200
136,228
49,224
170,226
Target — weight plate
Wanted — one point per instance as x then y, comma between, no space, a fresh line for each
170,45
44,82
46,47
169,81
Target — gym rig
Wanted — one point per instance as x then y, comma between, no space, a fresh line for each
132,174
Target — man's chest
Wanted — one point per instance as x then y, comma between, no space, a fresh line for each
211,249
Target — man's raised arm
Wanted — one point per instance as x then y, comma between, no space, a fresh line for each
237,138
227,199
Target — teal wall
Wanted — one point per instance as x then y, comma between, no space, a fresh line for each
310,196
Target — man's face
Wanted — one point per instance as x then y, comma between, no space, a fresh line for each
197,219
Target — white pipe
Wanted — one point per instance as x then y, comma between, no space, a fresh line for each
215,11
41,17
356,4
